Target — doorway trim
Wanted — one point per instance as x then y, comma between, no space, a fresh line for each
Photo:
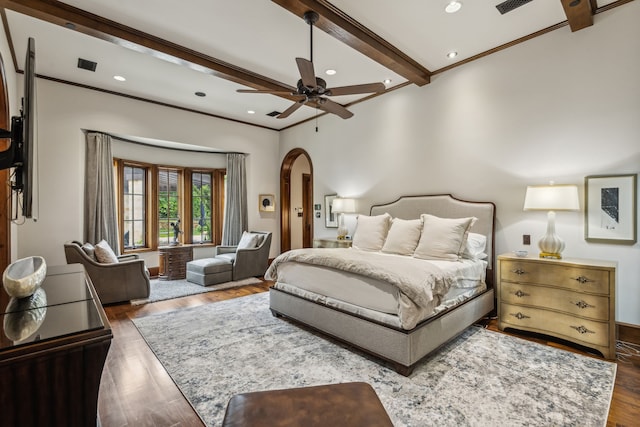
285,195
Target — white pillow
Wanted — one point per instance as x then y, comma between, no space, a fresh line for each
403,236
248,240
475,246
371,231
104,253
443,238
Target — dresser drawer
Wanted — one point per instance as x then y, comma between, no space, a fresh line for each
587,332
575,303
575,278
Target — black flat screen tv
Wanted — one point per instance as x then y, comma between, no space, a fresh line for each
20,153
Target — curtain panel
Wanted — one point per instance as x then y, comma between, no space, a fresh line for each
100,218
235,210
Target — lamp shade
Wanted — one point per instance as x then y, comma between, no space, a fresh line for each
341,205
552,198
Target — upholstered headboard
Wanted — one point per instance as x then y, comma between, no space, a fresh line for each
446,206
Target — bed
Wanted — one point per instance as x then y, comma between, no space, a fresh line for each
392,305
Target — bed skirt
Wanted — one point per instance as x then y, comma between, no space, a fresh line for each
402,348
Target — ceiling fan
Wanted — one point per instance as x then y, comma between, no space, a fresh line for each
314,89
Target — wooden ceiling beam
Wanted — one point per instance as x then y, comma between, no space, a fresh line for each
349,31
579,13
84,22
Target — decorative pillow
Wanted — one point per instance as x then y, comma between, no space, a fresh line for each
90,250
105,254
403,236
443,238
248,240
476,244
371,232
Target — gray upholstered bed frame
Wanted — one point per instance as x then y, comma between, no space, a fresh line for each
403,348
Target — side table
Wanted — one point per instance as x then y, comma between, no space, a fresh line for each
331,243
173,262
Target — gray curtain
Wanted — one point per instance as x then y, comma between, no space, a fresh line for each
100,220
235,211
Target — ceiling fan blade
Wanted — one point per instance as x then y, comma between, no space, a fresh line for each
286,113
273,92
333,107
354,89
307,73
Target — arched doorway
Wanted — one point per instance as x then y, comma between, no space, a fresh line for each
286,197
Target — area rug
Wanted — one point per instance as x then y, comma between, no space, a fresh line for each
481,378
169,289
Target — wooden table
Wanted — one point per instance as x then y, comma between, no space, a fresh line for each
173,261
50,366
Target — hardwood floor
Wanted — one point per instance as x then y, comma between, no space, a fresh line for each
137,391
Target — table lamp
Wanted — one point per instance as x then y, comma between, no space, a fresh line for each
342,206
551,198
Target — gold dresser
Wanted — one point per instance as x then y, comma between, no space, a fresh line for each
570,299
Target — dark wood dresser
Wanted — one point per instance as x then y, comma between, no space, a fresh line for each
52,353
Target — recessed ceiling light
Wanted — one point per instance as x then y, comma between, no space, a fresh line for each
330,72
453,6
200,94
119,78
387,81
250,112
452,54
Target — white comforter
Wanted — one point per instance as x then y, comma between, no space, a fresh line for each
420,282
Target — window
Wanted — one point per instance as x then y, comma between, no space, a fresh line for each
134,207
168,206
153,198
201,197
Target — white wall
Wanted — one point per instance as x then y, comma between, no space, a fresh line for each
559,107
64,110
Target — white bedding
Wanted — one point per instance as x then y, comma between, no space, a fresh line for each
377,298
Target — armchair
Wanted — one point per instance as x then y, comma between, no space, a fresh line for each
122,281
247,262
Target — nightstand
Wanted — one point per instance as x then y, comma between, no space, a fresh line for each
570,299
331,243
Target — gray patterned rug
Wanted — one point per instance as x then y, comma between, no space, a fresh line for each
481,378
168,289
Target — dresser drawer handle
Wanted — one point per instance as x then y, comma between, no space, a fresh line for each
582,279
520,294
583,304
518,271
520,316
582,329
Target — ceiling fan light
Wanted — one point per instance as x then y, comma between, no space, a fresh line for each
453,6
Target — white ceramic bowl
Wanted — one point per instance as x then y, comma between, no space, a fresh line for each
521,253
23,277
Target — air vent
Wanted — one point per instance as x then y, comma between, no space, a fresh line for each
509,5
274,113
85,64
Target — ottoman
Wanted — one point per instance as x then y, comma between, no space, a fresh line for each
209,271
333,405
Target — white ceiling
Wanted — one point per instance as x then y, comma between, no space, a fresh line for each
265,38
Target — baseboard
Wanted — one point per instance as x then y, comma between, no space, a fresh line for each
628,333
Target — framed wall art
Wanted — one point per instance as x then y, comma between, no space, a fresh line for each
267,202
330,218
610,209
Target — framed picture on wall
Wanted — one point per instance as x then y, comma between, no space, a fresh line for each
267,202
610,209
330,218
